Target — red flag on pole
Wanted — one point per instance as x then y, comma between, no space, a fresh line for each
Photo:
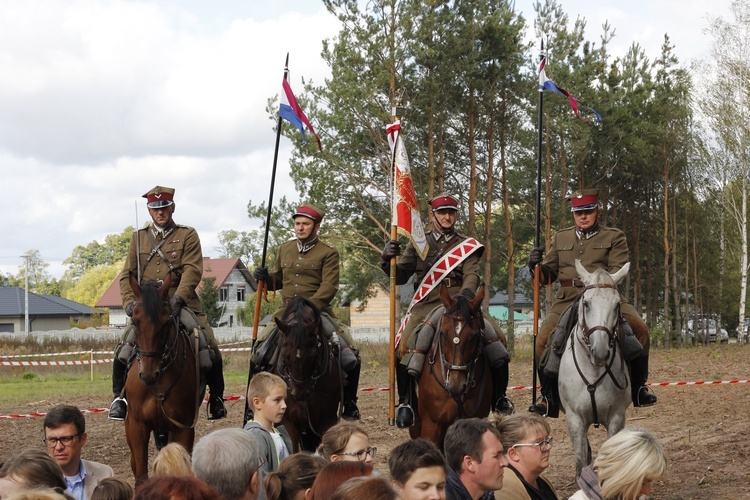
405,208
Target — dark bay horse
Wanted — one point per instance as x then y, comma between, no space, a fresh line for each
309,364
594,376
164,386
457,383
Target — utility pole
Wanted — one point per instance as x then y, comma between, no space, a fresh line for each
26,294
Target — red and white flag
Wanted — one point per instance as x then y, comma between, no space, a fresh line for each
405,209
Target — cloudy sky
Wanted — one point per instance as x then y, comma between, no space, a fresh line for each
102,99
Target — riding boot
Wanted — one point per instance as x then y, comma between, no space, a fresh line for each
351,412
215,381
404,413
118,410
548,405
640,393
500,402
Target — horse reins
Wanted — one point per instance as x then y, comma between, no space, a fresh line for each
612,334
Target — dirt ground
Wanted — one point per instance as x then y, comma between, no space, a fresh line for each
704,428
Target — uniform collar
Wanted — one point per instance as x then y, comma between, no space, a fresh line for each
442,236
306,246
588,234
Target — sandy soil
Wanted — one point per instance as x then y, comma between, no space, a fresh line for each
705,429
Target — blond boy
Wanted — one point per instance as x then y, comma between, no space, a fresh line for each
267,396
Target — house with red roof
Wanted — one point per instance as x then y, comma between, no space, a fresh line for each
234,281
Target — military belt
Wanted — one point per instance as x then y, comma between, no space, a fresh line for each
574,282
452,282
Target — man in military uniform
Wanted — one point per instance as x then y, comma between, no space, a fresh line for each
597,247
162,249
462,280
309,268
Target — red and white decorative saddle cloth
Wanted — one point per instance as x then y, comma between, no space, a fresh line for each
435,275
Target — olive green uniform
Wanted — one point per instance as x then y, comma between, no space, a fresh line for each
464,277
605,248
312,273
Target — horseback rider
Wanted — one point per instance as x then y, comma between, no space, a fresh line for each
308,267
596,247
462,280
167,248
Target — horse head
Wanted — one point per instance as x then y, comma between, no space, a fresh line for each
599,311
460,339
299,346
151,318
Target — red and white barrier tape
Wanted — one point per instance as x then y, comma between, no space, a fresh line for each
74,353
56,363
385,389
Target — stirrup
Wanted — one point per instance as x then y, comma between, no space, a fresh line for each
648,401
351,412
404,416
503,405
117,413
216,409
541,407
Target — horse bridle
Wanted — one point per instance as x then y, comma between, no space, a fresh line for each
447,367
612,334
168,354
321,366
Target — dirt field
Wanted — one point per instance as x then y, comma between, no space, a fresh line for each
705,429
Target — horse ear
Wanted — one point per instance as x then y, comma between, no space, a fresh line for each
447,300
619,275
164,288
478,298
582,272
134,285
280,323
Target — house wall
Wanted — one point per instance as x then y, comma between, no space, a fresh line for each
233,281
12,325
48,323
117,317
377,312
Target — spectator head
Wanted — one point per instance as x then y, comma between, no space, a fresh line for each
526,441
30,469
228,461
113,488
65,435
347,441
172,460
40,494
628,463
473,450
261,386
175,488
418,470
334,474
372,487
295,476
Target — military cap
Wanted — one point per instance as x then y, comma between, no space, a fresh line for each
310,212
585,199
444,202
159,197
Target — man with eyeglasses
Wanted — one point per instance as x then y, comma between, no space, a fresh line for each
597,247
65,435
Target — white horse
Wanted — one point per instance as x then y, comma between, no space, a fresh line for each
594,376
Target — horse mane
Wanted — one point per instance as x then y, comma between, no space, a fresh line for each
463,307
295,309
151,301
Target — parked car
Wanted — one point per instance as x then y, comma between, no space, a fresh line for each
709,325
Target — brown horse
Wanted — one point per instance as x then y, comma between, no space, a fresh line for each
308,362
164,388
457,383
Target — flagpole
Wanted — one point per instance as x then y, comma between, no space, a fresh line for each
260,294
537,240
392,338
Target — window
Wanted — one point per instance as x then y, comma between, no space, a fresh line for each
240,294
223,294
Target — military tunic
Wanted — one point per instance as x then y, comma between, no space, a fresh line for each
464,277
606,249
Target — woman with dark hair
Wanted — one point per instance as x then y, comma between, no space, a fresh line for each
175,488
30,469
294,477
332,475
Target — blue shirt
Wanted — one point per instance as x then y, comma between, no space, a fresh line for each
75,484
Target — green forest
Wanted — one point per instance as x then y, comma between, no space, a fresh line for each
670,156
